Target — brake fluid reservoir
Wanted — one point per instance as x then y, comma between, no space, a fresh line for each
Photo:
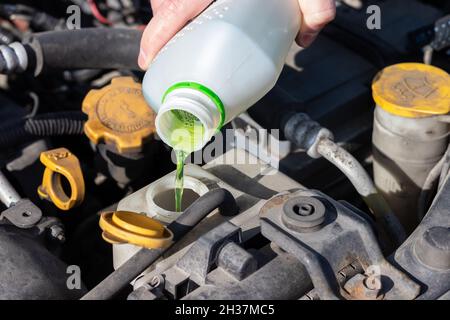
409,137
219,65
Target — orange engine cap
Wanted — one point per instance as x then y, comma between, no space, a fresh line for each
118,114
412,90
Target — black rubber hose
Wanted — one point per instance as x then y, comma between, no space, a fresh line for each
218,198
6,37
90,48
41,126
3,64
116,281
38,20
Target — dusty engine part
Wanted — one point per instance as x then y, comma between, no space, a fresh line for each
29,270
194,276
329,250
315,238
21,212
154,202
215,199
426,253
33,274
409,135
218,242
319,238
318,142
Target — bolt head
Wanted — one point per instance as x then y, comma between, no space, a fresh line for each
303,214
361,287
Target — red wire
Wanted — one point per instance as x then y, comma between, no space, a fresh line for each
101,18
96,12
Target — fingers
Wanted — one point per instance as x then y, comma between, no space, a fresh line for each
155,5
170,17
316,15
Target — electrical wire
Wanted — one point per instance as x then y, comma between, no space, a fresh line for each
97,14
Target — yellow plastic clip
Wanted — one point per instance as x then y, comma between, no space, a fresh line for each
128,227
61,163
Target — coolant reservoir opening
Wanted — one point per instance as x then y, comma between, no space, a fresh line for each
161,196
165,199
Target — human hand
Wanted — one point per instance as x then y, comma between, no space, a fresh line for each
170,16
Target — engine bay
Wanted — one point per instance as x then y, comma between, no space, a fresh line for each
315,193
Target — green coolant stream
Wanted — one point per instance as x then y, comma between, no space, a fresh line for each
179,179
186,134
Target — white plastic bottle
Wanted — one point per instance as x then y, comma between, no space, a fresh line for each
218,66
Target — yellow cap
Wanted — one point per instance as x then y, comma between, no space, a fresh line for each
118,114
412,90
133,228
61,163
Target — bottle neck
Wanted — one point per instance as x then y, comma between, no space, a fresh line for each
187,120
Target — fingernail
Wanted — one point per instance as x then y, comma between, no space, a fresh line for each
143,59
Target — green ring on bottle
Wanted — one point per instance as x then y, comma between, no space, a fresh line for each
205,90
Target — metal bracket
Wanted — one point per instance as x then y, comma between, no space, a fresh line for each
204,253
23,214
342,237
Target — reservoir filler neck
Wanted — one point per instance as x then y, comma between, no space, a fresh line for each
189,117
206,91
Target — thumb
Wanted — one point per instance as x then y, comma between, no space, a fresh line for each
316,14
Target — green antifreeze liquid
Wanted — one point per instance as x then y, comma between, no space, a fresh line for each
186,130
179,179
